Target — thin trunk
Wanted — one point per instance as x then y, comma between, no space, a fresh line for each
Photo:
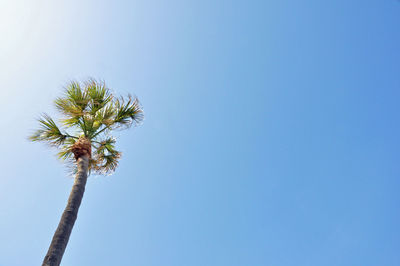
61,236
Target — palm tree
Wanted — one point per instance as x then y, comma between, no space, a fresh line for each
90,112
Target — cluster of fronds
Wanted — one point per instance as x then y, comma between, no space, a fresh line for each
89,110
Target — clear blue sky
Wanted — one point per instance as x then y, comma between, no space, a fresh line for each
271,135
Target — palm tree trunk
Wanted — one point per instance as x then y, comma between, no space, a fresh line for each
61,236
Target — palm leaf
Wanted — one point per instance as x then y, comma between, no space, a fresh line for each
128,113
67,107
106,158
65,152
99,95
106,115
48,132
77,96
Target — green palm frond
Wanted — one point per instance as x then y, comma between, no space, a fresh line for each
73,104
108,143
106,115
92,126
77,96
65,153
48,132
106,146
99,95
106,157
73,121
67,107
128,113
111,162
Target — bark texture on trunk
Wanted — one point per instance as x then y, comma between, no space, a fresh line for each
61,236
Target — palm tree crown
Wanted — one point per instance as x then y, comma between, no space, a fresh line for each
90,112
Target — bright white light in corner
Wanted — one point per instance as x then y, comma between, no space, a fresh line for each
15,25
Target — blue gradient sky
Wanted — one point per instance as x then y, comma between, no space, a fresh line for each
271,135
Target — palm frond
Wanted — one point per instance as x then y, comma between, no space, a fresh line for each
128,113
106,115
72,121
92,125
48,132
72,105
77,96
67,107
104,118
65,153
106,145
111,162
99,95
106,157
